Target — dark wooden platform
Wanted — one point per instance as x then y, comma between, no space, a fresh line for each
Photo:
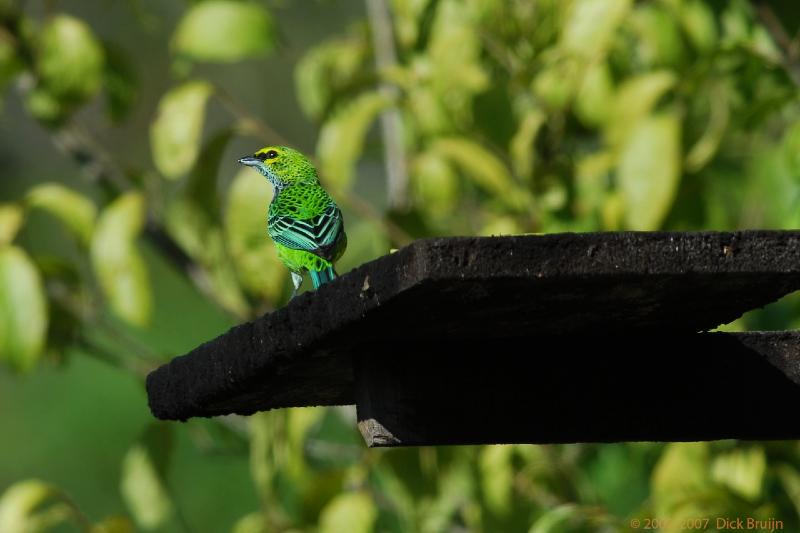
557,338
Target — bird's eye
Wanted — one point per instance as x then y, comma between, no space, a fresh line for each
272,154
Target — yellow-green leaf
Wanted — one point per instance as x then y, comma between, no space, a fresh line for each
591,25
699,25
23,310
175,134
251,523
143,490
521,148
660,40
484,169
224,31
497,477
75,210
43,105
11,217
341,140
741,470
20,504
635,99
595,92
354,512
69,59
435,184
555,519
680,475
554,85
790,479
706,146
454,51
251,249
327,69
117,262
649,169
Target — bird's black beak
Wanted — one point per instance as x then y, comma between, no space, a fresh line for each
249,161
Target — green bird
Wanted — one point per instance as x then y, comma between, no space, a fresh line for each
304,222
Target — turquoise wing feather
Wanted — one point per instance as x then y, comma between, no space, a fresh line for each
317,234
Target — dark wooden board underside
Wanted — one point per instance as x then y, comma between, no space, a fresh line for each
451,291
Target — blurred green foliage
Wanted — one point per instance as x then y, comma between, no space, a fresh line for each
515,116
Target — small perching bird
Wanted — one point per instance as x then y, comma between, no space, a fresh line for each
304,221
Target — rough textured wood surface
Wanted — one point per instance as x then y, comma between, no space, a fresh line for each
454,289
588,389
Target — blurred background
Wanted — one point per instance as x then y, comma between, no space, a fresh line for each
129,235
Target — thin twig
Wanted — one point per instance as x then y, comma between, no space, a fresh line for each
790,54
380,21
135,367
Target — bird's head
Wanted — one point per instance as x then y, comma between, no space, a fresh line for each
282,166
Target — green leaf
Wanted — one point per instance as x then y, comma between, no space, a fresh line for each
741,470
707,145
23,504
262,429
454,51
699,25
554,85
23,310
327,70
554,520
354,512
497,476
193,219
69,59
680,476
117,262
195,211
456,488
484,169
648,171
435,184
143,488
175,134
44,106
251,523
75,210
790,479
522,148
595,92
11,218
660,40
341,140
635,99
252,252
591,25
224,31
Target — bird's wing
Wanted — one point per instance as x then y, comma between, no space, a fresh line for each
314,234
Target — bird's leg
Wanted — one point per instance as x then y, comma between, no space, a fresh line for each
297,280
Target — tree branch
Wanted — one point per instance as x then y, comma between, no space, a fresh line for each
790,52
380,21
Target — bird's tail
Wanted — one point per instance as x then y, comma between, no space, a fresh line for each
319,277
